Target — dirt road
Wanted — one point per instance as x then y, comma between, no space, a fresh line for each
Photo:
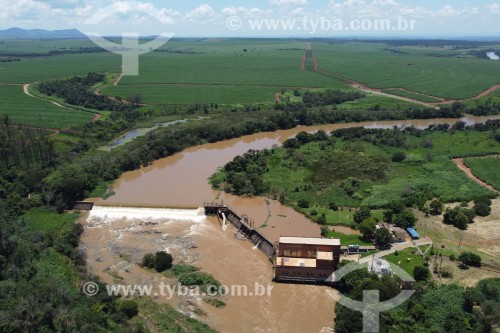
459,162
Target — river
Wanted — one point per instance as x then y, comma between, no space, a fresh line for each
117,238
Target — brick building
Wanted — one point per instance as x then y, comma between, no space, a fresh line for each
310,260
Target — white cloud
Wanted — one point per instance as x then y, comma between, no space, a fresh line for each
288,2
246,13
494,8
201,13
393,9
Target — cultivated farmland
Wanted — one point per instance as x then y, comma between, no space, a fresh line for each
31,111
487,169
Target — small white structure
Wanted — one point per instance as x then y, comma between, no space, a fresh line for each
379,267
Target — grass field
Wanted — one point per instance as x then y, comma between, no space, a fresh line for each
418,97
35,112
347,239
49,222
487,169
406,260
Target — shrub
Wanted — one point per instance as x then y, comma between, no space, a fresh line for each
203,280
399,157
333,206
321,219
128,308
303,203
470,259
453,257
314,212
421,273
446,272
481,209
214,301
484,200
183,269
163,261
148,260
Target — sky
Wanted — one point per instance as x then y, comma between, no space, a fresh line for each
259,18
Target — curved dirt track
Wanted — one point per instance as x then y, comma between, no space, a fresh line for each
435,105
118,79
459,162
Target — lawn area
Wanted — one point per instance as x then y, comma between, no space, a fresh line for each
406,260
424,248
486,168
347,239
31,111
344,217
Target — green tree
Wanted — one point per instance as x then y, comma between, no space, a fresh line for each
436,207
421,273
383,238
459,217
367,228
362,214
481,209
405,219
470,259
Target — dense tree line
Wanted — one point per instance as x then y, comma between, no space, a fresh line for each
329,97
55,52
24,147
485,108
76,91
39,282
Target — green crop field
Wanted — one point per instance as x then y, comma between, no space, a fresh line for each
418,97
487,169
251,71
433,73
31,111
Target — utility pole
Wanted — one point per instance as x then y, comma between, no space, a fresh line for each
460,243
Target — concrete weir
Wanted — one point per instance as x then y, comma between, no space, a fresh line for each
243,224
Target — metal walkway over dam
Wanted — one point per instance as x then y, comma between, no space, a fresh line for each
243,224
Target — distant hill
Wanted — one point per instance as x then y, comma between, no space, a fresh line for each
18,33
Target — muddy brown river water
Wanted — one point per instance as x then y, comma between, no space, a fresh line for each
116,238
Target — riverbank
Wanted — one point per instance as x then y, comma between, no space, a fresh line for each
181,180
